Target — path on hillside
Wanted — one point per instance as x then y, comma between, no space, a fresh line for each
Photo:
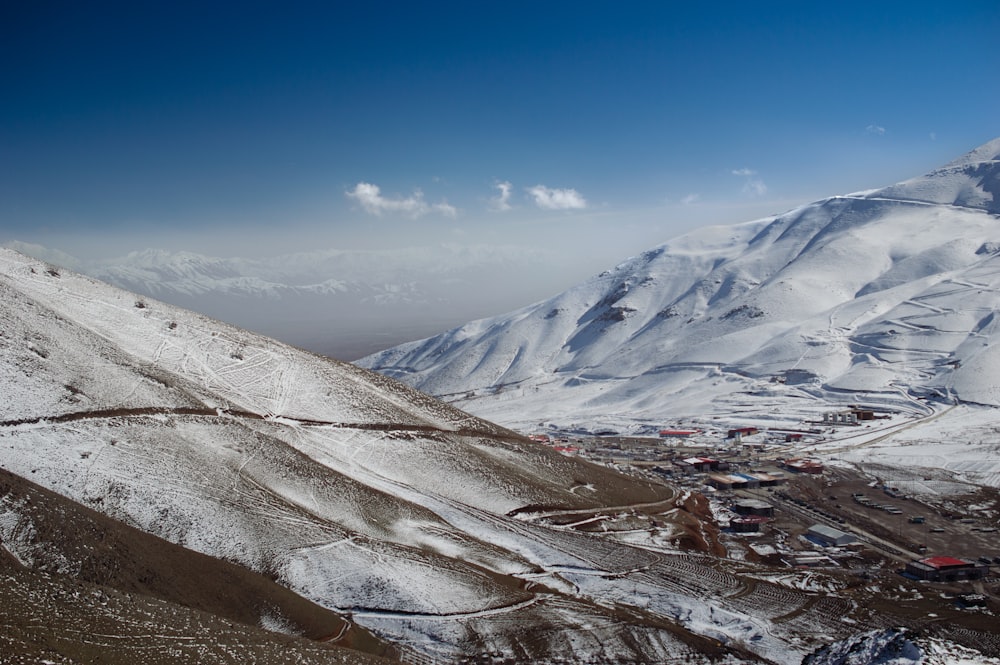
887,433
205,412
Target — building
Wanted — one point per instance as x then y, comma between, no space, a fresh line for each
946,569
804,465
810,560
733,481
741,432
721,482
753,507
840,418
701,464
828,536
678,433
748,524
863,414
767,479
749,482
849,416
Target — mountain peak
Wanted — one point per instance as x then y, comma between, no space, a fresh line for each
971,181
987,152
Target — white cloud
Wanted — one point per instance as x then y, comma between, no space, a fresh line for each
557,199
371,199
755,187
502,200
752,186
875,129
691,198
933,136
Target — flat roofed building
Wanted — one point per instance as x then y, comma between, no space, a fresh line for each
721,482
804,465
678,433
946,569
750,482
753,507
829,536
766,479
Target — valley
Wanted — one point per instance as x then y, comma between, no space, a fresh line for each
710,453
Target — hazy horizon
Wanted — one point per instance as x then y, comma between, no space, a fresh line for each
581,134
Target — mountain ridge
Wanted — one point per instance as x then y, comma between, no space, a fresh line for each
839,290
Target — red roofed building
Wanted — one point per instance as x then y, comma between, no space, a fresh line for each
678,433
804,465
940,562
946,569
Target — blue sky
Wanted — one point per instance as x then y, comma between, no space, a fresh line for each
601,128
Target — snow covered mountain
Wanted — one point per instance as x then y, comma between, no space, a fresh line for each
337,302
446,536
888,296
426,525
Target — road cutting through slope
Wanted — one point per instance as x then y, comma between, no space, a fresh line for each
204,412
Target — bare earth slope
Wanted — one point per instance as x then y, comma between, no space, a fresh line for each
76,569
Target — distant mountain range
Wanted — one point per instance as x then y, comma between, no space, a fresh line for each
342,303
888,296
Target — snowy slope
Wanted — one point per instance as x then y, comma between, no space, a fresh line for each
426,525
896,647
886,295
348,488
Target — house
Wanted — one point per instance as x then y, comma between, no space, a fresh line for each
540,438
828,536
945,569
741,432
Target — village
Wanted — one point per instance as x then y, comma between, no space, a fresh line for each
773,504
